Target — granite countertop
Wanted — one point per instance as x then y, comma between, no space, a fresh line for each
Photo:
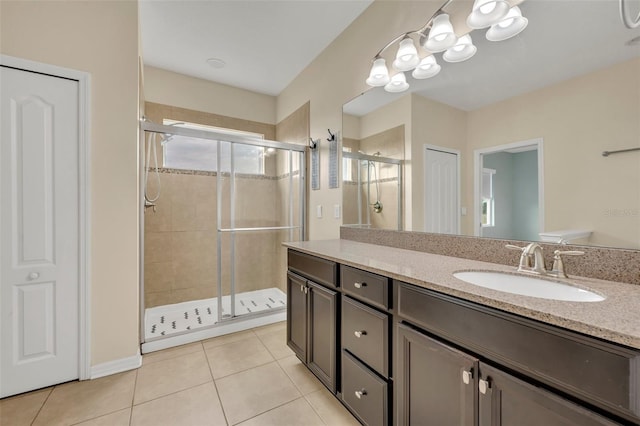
616,319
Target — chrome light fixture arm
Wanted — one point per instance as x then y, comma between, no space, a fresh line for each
420,31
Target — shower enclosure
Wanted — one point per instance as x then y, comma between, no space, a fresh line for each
372,191
216,209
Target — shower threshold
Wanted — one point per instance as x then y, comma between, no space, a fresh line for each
187,317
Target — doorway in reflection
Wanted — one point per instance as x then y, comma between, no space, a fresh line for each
509,191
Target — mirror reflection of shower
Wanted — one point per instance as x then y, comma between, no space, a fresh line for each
377,205
372,187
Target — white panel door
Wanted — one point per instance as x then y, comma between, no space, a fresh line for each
39,231
441,192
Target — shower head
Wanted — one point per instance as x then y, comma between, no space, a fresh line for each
166,137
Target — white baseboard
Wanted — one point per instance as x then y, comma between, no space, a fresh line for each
116,366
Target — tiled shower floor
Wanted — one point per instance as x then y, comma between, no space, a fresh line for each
180,318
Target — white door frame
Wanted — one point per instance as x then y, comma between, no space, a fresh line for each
455,152
477,178
84,207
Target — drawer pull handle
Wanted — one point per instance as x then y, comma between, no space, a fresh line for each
359,285
484,386
361,393
359,334
467,376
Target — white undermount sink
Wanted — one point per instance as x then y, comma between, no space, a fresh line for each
528,286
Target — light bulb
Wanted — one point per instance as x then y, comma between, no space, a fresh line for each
463,50
397,84
427,68
510,26
486,13
441,36
407,56
379,75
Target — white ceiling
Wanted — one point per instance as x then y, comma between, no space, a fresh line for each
564,39
265,43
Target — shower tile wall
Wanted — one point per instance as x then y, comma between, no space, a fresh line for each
181,238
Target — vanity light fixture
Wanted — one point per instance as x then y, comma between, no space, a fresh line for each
486,13
397,84
407,57
509,26
463,50
379,75
427,68
438,35
441,37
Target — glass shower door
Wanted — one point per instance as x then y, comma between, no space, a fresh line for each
259,206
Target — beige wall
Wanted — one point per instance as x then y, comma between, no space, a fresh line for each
101,38
577,119
169,88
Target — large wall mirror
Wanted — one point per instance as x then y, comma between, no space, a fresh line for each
509,144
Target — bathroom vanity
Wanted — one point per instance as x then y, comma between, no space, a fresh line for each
401,341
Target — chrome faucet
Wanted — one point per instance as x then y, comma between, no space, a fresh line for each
531,259
558,265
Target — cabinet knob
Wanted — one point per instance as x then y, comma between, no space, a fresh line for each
33,276
467,376
359,334
484,386
359,285
361,393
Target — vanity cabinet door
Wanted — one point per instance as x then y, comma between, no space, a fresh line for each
436,384
297,315
507,401
322,341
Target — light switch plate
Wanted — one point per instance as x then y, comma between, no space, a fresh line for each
336,211
319,211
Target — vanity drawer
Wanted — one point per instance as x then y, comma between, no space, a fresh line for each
366,286
364,393
319,270
365,333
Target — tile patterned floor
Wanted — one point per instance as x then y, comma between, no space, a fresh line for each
250,378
